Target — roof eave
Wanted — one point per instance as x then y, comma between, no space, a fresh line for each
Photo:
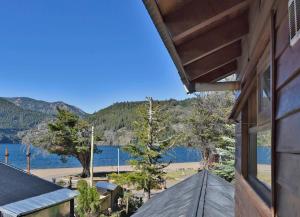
157,19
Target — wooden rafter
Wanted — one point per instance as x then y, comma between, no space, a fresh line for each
213,40
198,16
218,73
218,86
213,61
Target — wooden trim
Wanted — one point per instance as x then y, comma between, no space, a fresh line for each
245,142
273,111
218,86
158,21
242,99
253,197
218,74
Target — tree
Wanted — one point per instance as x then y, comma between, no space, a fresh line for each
151,141
210,129
88,200
70,136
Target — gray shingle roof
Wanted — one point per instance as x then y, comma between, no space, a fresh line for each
16,185
201,195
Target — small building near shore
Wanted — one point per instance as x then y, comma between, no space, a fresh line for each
27,195
110,193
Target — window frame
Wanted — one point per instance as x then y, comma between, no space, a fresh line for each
258,121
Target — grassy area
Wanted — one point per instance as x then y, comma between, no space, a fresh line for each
180,174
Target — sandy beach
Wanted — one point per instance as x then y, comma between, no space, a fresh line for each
61,172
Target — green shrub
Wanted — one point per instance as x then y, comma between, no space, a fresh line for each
88,201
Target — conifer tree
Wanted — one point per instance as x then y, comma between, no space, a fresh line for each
69,135
151,142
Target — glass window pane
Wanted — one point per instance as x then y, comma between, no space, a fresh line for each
265,92
264,157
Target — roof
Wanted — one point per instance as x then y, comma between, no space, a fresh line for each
201,195
17,186
106,185
204,39
33,204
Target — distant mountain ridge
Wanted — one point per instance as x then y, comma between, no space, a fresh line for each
18,114
48,108
22,117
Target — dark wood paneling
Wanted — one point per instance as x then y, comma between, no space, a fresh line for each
282,11
218,73
213,61
287,203
213,39
196,12
238,148
289,97
288,134
288,64
288,173
248,202
282,37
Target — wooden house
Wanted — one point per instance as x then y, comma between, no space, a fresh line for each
257,40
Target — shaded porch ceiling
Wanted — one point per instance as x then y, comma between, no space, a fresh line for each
204,38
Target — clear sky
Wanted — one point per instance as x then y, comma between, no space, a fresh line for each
87,53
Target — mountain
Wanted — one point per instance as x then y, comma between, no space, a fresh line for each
18,114
114,123
48,108
14,119
24,117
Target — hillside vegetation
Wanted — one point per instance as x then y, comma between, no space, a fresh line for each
20,114
114,124
14,119
24,117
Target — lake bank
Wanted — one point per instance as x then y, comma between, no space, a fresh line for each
61,172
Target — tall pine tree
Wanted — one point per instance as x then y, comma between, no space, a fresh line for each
151,141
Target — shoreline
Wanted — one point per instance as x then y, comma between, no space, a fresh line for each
50,173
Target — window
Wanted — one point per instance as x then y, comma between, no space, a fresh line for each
294,20
259,135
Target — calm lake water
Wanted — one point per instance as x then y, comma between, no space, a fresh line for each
109,156
41,159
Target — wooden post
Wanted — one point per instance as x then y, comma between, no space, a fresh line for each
72,208
92,158
273,113
28,153
118,160
6,155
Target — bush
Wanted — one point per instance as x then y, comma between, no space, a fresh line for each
88,201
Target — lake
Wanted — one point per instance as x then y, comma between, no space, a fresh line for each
41,159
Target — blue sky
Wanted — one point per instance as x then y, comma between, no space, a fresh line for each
86,53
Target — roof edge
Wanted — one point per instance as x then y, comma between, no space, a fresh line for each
37,203
157,19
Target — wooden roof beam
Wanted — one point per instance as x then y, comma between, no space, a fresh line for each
166,6
218,86
213,40
199,16
213,61
218,74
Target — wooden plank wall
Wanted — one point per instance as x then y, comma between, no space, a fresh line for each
287,62
287,118
247,202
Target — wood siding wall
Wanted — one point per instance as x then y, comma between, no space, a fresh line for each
287,118
287,62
